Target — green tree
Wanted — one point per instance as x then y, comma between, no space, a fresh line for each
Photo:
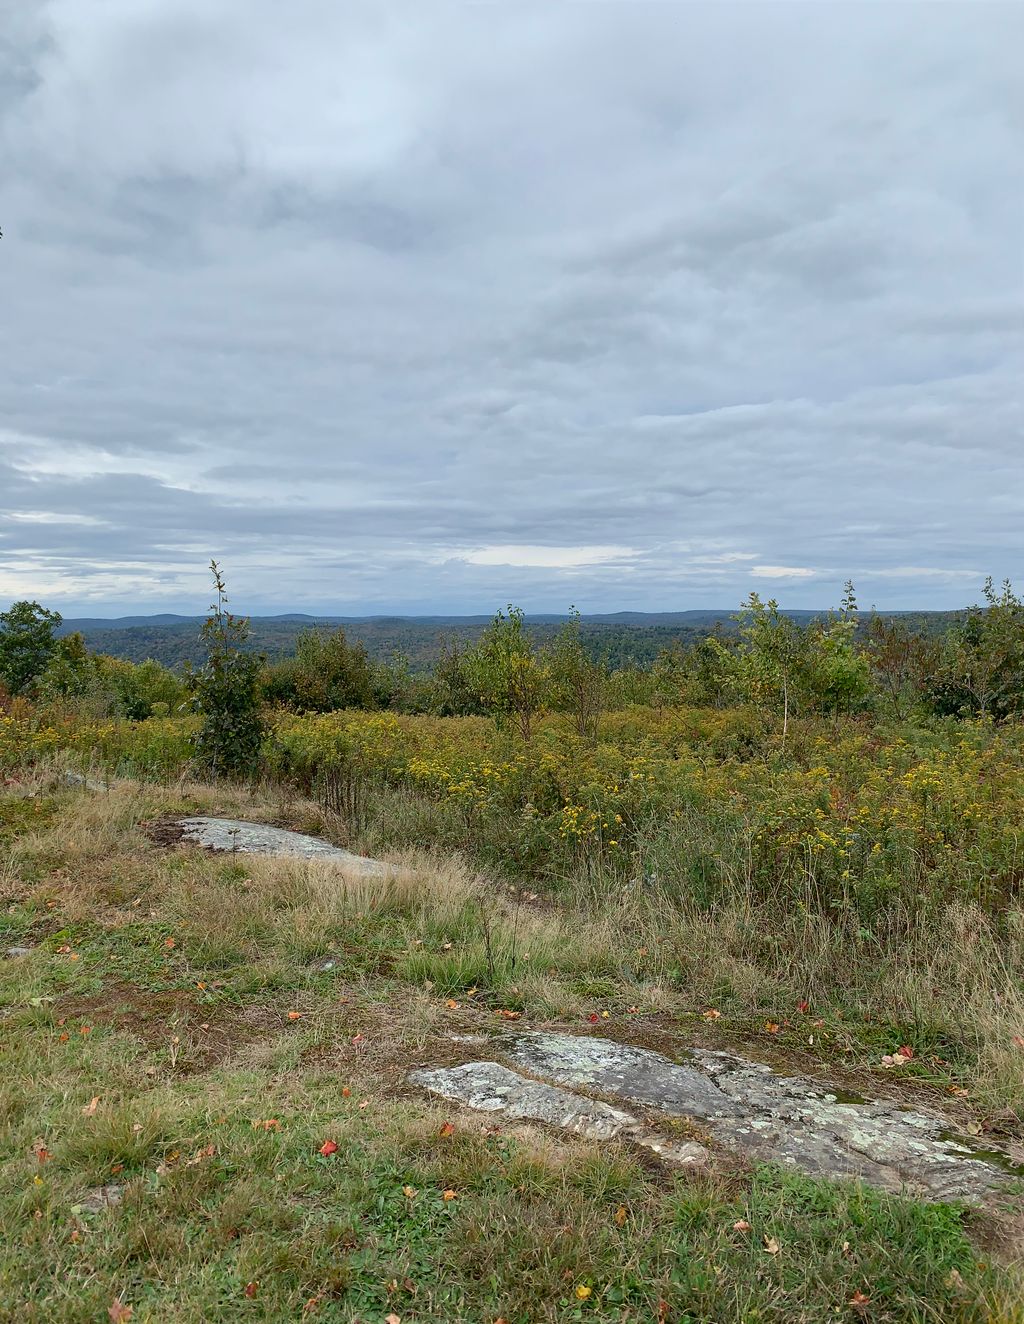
27,642
225,691
836,672
768,658
70,672
902,663
982,669
509,676
454,691
578,683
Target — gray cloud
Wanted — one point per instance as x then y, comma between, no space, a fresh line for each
631,305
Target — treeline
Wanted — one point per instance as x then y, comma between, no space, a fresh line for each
841,662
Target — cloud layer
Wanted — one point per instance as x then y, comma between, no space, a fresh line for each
627,305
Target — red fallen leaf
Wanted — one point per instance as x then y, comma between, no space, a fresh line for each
170,942
859,1301
346,1093
507,1014
593,1018
328,1148
358,1039
771,1027
662,1311
118,1311
448,1129
803,1007
906,1051
251,1289
1018,1041
41,1152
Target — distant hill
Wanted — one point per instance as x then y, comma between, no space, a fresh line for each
620,638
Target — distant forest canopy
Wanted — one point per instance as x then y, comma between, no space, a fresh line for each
620,639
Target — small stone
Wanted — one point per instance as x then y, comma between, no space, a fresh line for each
100,1198
11,953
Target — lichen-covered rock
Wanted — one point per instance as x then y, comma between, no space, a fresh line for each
783,1119
490,1087
230,834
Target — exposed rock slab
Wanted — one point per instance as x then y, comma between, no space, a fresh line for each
790,1120
234,834
490,1087
12,953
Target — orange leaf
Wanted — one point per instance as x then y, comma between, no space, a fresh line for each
772,1027
295,1015
328,1148
741,1225
448,1129
118,1311
620,1215
449,1195
251,1289
712,1014
170,942
346,1093
859,1301
1018,1041
90,1108
451,1004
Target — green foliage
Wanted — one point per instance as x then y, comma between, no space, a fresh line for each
578,683
27,643
836,671
226,692
453,692
326,674
982,669
903,664
508,674
69,672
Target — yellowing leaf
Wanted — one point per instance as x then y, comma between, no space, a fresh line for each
90,1108
771,1246
583,1291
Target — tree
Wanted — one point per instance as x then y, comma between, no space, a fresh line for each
902,662
69,671
454,691
768,657
225,691
507,673
982,670
836,674
27,642
578,682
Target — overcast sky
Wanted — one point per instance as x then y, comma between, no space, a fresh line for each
433,307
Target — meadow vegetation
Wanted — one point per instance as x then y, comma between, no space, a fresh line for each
802,841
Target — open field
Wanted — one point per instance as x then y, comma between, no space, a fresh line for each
173,1032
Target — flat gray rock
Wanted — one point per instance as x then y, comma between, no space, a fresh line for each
490,1087
790,1120
234,834
12,953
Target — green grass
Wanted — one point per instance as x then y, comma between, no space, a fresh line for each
171,1008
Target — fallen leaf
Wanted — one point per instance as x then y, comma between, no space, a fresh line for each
771,1246
593,1018
859,1300
41,1152
449,1195
906,1051
451,1004
346,1093
328,1148
251,1289
170,942
295,1015
1018,1041
200,983
90,1108
583,1291
620,1215
803,1006
364,1103
118,1311
448,1129
409,1192
712,1014
85,1029
508,1015
772,1027
741,1225
955,1281
271,1124
392,1319
358,1039
64,1037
